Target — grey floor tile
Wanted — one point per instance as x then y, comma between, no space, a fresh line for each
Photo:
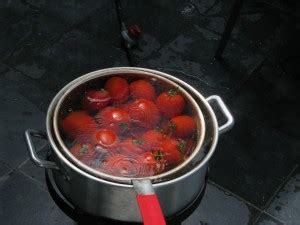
286,205
4,169
256,25
291,7
77,51
162,21
192,52
70,11
23,27
103,24
191,48
252,160
220,207
271,97
17,115
23,202
244,60
39,95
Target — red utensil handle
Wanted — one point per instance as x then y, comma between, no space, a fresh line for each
150,209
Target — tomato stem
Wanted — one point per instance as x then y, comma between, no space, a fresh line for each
158,155
172,126
83,150
137,142
173,92
123,126
181,146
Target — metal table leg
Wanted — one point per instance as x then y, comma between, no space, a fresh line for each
229,27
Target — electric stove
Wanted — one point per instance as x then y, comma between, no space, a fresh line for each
83,218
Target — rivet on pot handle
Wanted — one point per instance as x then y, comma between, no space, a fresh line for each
32,151
230,121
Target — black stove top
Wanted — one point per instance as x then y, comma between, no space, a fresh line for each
84,218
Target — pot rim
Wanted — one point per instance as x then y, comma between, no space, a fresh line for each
87,78
188,88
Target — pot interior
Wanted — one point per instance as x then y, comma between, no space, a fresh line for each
71,102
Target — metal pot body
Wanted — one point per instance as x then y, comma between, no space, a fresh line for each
118,201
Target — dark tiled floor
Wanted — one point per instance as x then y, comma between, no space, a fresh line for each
71,12
250,150
23,202
4,170
17,114
286,203
38,174
254,175
268,220
232,211
24,27
76,51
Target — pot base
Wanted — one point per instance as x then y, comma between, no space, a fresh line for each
84,218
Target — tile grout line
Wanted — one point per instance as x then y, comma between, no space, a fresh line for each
264,212
17,168
33,180
283,183
28,158
286,11
13,69
235,195
16,70
6,176
5,164
261,211
211,7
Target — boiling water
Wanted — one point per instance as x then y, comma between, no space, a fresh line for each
130,153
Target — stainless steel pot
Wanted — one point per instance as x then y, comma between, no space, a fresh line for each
116,200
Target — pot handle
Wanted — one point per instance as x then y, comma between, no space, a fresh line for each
32,151
230,121
148,203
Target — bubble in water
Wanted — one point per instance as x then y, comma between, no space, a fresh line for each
128,166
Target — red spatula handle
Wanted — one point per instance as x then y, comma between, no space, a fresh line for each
150,209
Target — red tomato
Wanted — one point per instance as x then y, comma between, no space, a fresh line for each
94,100
170,103
120,165
142,89
130,146
82,151
104,138
79,125
173,150
118,89
182,126
116,119
144,113
153,139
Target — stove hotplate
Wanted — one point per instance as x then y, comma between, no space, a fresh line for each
84,218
